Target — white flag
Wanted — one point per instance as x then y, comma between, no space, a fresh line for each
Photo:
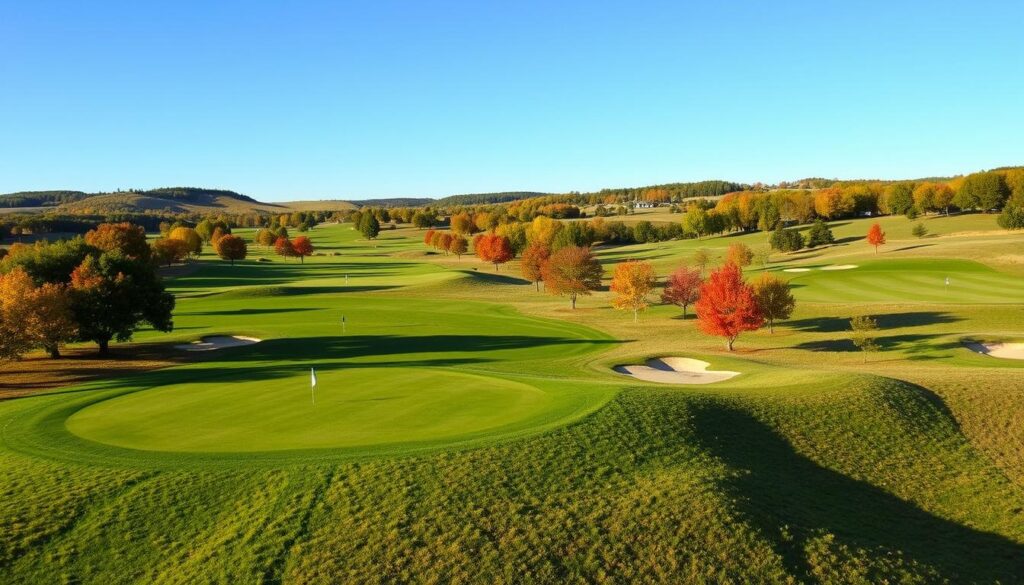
312,376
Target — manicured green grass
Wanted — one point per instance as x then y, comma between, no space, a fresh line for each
469,429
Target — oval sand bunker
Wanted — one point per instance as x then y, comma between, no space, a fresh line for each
839,267
796,269
675,370
1011,351
218,342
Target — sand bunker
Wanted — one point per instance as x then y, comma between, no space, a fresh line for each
218,342
839,267
1010,351
675,370
796,269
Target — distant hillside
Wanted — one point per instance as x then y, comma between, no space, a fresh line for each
40,198
165,199
486,198
394,202
321,205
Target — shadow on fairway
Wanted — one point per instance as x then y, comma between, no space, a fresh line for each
885,321
495,278
781,491
356,346
920,345
244,312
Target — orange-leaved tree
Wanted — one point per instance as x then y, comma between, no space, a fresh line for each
740,254
572,271
53,323
231,248
683,287
727,306
16,290
458,246
443,241
169,251
302,247
428,237
774,299
876,237
632,282
283,247
493,248
125,238
532,263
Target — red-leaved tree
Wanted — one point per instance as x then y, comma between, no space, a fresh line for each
876,237
683,287
727,306
493,248
283,247
302,247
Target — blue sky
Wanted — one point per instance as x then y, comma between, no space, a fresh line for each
289,100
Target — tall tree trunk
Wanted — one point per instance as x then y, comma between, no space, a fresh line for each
728,343
771,326
104,346
53,350
634,315
537,283
572,299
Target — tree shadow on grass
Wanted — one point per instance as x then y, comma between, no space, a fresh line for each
781,491
885,321
494,277
240,312
920,346
356,346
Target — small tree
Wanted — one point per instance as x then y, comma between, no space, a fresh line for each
701,259
631,283
919,230
265,237
283,247
493,248
819,234
458,246
532,263
683,287
774,299
169,251
739,254
302,248
727,306
369,226
190,237
230,248
428,237
572,271
876,237
865,328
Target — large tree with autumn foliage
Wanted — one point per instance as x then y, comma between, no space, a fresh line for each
125,238
727,306
632,282
111,296
683,287
572,271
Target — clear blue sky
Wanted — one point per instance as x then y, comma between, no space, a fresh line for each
286,100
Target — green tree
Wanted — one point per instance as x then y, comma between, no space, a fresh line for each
865,330
369,226
819,234
111,296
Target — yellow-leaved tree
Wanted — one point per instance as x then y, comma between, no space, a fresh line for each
632,282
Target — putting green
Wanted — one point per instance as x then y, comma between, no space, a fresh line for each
354,407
